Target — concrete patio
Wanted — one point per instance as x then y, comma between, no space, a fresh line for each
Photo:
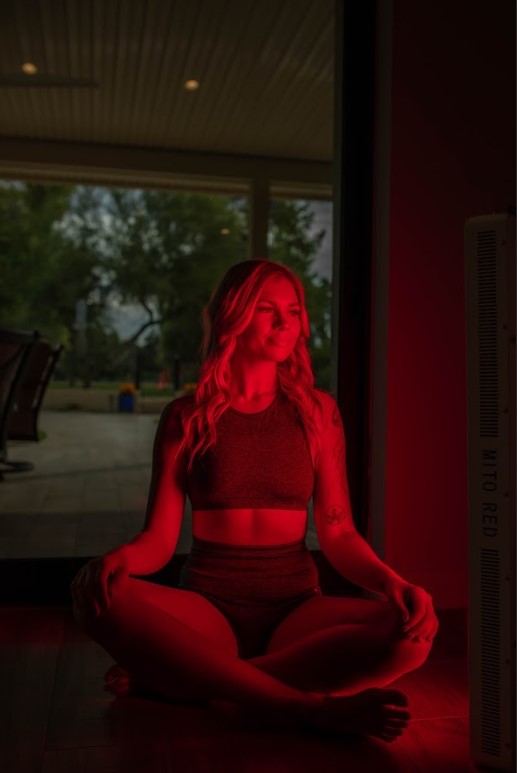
88,491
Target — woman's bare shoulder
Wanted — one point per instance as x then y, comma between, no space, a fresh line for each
182,402
327,406
176,409
324,395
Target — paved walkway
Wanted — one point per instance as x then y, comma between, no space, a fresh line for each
88,491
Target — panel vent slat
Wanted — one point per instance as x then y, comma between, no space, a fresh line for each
487,331
490,652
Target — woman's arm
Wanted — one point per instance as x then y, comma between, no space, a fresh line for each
353,558
339,540
344,547
150,550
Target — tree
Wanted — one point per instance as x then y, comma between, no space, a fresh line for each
44,271
27,240
161,251
166,251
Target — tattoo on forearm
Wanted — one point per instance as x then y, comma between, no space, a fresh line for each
335,515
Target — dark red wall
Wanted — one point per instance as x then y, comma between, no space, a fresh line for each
453,157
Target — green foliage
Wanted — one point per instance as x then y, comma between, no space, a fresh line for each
28,244
43,272
162,251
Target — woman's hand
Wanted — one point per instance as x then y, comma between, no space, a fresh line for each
96,582
417,610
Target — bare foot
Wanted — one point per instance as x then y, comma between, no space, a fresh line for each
374,712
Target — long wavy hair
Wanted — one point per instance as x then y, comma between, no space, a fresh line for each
226,315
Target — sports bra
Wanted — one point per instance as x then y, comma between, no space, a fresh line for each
260,460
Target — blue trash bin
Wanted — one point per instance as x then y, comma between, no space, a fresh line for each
126,403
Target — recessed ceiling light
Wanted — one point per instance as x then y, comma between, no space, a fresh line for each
191,85
225,231
29,69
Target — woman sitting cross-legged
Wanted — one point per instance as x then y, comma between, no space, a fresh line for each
248,623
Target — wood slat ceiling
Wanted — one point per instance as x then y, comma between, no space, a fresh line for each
265,69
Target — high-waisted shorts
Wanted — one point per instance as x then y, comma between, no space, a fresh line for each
254,587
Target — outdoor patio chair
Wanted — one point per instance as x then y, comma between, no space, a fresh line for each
15,350
23,420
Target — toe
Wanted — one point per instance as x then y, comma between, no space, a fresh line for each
387,738
394,722
389,734
392,711
396,697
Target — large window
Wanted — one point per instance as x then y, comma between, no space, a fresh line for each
119,278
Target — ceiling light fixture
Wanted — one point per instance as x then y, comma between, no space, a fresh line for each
29,69
191,85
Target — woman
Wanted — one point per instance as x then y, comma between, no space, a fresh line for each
248,623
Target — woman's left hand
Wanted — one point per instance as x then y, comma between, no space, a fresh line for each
416,605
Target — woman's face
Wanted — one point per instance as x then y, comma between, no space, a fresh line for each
275,325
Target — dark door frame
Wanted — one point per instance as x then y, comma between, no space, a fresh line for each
353,225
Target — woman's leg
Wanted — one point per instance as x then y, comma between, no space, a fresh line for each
189,607
340,646
167,656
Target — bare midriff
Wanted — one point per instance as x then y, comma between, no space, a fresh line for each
248,526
